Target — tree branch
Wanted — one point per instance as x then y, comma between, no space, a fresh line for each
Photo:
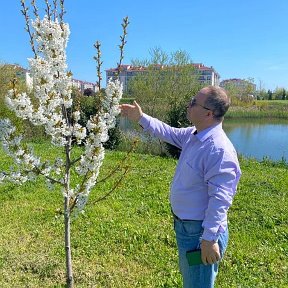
97,46
47,10
55,10
113,189
123,42
75,161
26,16
120,164
61,15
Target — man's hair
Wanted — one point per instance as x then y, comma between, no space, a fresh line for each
217,100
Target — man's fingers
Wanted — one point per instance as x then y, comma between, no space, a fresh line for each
204,260
123,106
136,104
133,112
210,259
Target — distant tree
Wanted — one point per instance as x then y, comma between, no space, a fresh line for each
243,94
270,95
248,90
261,94
168,82
88,92
279,94
165,87
284,94
235,94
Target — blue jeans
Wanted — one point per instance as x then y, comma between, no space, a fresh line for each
188,237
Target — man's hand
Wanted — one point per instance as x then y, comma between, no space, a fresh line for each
132,112
210,252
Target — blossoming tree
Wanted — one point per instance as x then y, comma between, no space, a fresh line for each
51,107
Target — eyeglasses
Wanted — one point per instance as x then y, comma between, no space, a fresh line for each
193,103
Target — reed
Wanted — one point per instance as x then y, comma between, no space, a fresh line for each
258,112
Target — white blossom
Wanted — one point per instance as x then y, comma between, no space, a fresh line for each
81,201
76,116
79,132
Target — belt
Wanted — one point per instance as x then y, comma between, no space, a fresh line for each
179,219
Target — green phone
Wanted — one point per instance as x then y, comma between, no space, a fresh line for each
194,257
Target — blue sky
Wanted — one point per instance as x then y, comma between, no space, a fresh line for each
240,39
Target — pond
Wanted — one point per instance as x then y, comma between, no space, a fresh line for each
259,138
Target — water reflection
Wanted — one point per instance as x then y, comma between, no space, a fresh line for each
259,138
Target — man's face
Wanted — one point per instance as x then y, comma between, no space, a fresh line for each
196,110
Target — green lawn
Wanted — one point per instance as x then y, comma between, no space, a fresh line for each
128,239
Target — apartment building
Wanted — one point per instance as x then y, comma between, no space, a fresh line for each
206,75
82,85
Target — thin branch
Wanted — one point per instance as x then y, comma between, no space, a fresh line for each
97,45
26,16
26,172
54,12
53,180
61,15
35,9
113,189
123,43
120,164
74,202
47,177
48,10
75,161
83,181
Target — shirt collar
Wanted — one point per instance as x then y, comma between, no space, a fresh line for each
206,133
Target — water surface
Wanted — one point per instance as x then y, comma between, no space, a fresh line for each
259,138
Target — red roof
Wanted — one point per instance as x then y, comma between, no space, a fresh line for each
198,66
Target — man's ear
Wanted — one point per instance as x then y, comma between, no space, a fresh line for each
210,113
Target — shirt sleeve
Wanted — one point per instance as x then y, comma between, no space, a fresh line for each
221,177
162,130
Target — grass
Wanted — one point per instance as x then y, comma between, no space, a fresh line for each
128,239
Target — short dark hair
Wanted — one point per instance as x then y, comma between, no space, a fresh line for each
217,100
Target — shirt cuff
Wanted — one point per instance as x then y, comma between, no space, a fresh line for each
208,236
144,121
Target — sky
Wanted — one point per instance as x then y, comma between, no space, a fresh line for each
240,39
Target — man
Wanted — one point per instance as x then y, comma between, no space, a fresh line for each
204,183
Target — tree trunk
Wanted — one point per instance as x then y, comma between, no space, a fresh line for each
69,272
